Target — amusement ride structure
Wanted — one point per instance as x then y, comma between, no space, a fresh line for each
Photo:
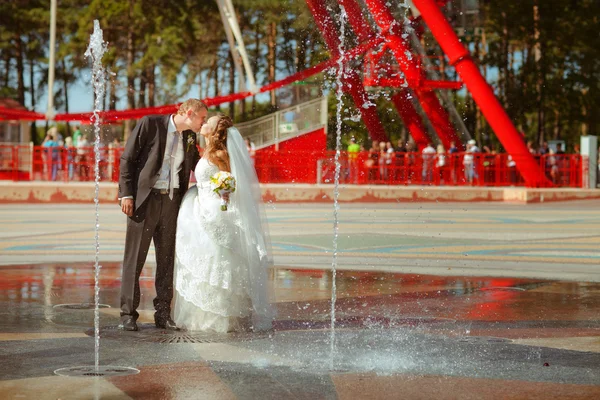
390,54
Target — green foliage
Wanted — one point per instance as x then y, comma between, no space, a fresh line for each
562,83
174,46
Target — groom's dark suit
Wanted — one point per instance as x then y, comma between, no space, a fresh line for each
155,213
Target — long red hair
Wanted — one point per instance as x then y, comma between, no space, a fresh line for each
218,139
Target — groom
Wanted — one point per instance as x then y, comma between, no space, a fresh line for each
155,171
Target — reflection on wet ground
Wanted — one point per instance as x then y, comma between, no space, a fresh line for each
395,332
444,301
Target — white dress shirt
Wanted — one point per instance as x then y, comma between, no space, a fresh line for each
163,179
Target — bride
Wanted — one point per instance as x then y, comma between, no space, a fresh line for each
222,257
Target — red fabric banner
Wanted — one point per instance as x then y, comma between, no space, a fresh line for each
23,115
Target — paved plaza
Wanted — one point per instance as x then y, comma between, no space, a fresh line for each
434,300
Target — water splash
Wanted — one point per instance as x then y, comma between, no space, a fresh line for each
336,192
95,52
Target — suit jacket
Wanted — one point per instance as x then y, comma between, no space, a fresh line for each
142,158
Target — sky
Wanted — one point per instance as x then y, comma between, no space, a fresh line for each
81,96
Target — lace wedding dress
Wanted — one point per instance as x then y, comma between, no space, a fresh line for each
213,279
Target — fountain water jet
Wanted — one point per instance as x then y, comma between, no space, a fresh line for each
95,52
336,192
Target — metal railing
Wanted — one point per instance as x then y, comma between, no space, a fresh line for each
38,163
458,169
286,123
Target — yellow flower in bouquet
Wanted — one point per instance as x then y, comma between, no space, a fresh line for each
222,182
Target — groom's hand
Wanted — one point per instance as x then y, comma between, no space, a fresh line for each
127,206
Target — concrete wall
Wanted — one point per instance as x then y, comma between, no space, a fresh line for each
75,192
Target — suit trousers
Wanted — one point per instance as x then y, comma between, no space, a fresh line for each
159,223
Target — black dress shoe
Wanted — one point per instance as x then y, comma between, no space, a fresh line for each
166,323
128,324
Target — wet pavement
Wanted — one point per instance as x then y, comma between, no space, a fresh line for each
399,333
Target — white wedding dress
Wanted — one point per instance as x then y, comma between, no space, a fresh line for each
221,257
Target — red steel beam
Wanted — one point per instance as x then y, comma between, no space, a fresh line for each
410,116
413,73
352,83
431,85
359,24
482,93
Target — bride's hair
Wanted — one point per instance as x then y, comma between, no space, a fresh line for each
218,139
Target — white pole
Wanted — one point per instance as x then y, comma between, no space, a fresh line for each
589,149
228,13
225,16
50,109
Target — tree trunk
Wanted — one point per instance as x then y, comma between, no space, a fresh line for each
110,93
7,67
130,61
231,86
151,85
65,84
142,92
313,43
130,71
66,91
33,128
271,43
591,121
243,105
300,64
483,52
112,103
20,70
256,60
301,54
475,108
32,82
216,79
106,99
208,77
504,68
537,49
510,80
222,67
584,113
556,124
200,84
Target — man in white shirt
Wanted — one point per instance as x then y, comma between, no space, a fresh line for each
154,175
470,160
428,155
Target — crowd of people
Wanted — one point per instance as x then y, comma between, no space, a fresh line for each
405,163
72,158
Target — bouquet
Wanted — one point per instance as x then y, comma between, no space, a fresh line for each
222,182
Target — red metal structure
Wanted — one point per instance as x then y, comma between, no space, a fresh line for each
414,75
352,82
481,91
401,100
413,72
392,37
